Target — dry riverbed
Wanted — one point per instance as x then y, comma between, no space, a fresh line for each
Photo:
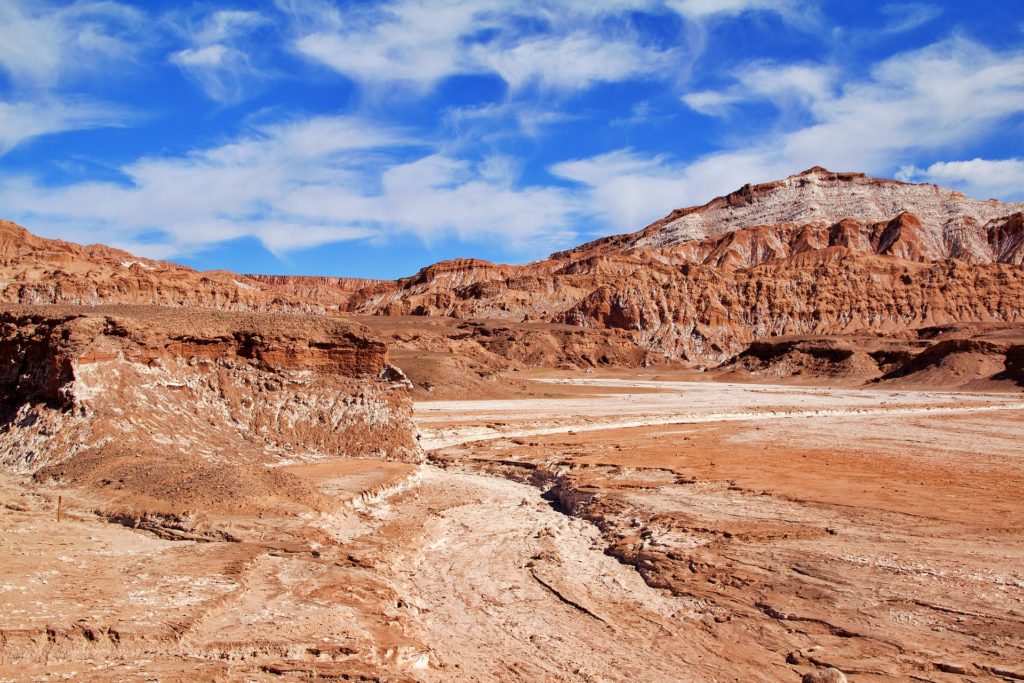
685,532
877,532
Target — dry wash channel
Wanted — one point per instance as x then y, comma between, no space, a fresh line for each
798,530
269,516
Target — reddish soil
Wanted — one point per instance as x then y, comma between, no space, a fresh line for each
886,547
248,492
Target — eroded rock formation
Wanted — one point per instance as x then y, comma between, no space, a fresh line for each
173,407
818,253
43,271
972,356
949,221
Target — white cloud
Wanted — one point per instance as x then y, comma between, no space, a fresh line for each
712,102
491,122
223,73
227,25
23,121
572,62
924,101
946,94
803,14
709,8
412,41
42,45
906,16
43,48
627,188
983,178
785,85
217,60
298,184
570,45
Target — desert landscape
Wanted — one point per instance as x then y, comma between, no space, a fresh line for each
775,437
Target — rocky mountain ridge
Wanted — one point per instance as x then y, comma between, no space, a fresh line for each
36,270
951,223
817,253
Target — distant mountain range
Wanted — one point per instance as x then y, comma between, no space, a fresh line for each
819,253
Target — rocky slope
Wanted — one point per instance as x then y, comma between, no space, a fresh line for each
35,270
969,356
947,223
173,408
818,253
707,313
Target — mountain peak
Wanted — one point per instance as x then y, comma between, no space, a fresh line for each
820,172
819,195
814,170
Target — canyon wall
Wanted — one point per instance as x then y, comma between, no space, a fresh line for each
819,253
173,407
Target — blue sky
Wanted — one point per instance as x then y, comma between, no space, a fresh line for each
372,138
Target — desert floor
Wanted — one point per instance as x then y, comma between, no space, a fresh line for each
624,530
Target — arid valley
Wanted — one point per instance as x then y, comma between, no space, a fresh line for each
604,529
775,437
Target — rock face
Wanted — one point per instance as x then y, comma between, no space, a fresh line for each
969,356
42,271
709,313
818,253
950,223
174,408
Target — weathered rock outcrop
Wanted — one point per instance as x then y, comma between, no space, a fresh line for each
971,356
35,270
174,407
819,196
709,313
818,253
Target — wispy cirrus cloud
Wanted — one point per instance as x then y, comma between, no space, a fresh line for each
505,120
912,103
978,177
564,45
628,189
23,121
572,62
906,16
43,44
218,56
794,10
784,84
297,184
43,48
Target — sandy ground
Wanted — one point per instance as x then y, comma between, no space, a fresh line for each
878,532
455,576
691,532
448,423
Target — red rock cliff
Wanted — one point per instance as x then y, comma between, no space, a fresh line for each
140,397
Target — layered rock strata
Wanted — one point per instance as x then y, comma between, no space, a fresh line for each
174,408
819,253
